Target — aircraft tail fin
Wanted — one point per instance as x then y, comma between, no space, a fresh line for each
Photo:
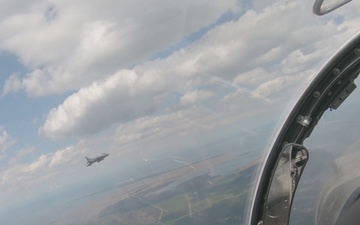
88,159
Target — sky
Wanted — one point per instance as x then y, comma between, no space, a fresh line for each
147,80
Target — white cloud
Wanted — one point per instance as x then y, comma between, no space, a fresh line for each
189,123
138,129
192,97
252,77
67,45
41,162
13,83
178,123
22,153
278,85
114,99
42,168
63,156
25,151
6,141
233,52
150,136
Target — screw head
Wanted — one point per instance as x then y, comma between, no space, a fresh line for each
299,119
357,51
316,94
336,71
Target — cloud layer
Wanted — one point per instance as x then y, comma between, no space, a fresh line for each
67,45
264,62
6,141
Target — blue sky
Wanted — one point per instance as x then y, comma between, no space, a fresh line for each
146,81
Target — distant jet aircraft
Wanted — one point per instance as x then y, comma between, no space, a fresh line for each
96,159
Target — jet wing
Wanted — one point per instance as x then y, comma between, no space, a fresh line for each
89,163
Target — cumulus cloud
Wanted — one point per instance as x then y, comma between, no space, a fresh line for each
67,45
39,169
138,129
160,135
192,123
277,85
177,123
114,99
13,83
62,156
6,141
26,151
22,153
193,97
252,77
42,161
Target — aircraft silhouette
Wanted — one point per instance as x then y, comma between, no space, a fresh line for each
96,159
